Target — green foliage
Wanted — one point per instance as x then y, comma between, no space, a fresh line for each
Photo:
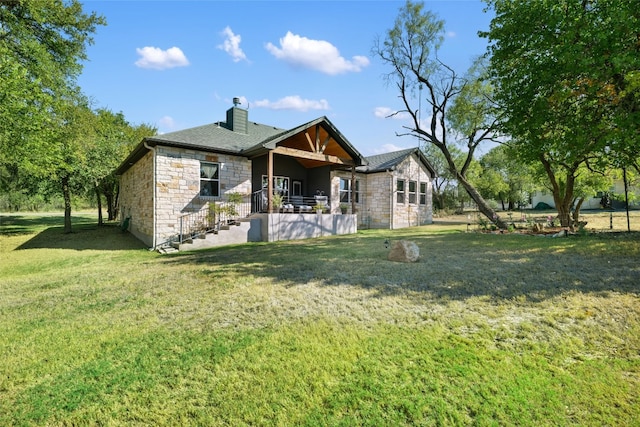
112,140
503,177
276,200
42,44
233,200
446,191
472,111
559,69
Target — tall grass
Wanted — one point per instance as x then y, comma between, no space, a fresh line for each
483,330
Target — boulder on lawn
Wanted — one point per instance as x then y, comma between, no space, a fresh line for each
404,251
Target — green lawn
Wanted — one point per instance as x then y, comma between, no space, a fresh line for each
484,330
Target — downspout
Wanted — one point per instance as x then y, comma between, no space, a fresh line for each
155,190
392,193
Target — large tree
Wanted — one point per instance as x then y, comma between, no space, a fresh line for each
504,178
72,126
42,46
564,73
458,108
113,139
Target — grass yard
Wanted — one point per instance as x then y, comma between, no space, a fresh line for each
484,330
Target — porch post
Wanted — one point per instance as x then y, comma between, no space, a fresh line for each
353,189
269,179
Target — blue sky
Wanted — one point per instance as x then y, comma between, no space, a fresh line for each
179,64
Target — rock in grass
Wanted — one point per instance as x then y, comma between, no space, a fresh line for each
404,251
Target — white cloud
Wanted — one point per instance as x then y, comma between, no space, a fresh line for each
158,59
451,34
293,103
231,45
166,123
387,148
386,112
318,55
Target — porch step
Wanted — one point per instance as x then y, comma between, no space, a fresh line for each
242,232
168,250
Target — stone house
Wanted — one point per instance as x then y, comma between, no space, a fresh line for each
222,182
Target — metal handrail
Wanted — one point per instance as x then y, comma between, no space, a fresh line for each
295,203
211,218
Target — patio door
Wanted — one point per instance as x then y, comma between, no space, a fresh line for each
296,189
280,185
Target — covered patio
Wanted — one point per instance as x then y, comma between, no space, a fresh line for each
296,167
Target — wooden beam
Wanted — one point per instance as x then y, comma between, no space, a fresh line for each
317,150
309,141
292,152
326,142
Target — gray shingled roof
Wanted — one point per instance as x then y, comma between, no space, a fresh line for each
389,161
386,161
216,136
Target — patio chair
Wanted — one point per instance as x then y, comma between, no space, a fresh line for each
287,208
298,202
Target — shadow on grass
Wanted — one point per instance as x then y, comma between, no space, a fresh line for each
13,224
84,237
452,266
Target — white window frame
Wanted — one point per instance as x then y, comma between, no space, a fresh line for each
423,193
400,191
412,194
213,180
345,190
280,185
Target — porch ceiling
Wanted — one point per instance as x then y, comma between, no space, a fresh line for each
314,147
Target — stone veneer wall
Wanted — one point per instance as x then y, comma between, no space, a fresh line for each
373,206
136,199
412,214
177,189
178,184
378,190
378,207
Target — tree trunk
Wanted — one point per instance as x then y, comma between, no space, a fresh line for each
108,191
114,202
99,200
66,194
576,211
483,206
564,214
111,209
562,194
